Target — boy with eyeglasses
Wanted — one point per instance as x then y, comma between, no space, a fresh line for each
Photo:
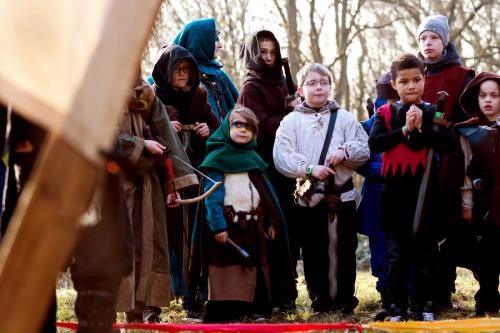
328,230
177,85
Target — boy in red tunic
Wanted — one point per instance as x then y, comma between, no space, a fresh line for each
404,132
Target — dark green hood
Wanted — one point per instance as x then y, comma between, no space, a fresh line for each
229,157
198,36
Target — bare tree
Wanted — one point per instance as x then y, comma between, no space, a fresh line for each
356,39
289,20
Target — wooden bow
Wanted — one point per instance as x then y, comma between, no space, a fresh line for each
202,196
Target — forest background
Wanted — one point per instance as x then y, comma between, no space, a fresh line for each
355,39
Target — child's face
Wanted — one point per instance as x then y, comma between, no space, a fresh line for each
180,77
240,130
489,99
409,84
268,51
430,45
316,89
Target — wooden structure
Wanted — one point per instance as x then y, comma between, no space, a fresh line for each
67,66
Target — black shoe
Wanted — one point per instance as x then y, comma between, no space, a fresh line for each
397,314
194,314
258,318
349,307
382,315
414,316
152,314
484,312
288,308
134,317
320,307
443,304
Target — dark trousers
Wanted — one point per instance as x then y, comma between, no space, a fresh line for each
95,305
329,256
403,251
406,252
450,235
487,297
378,260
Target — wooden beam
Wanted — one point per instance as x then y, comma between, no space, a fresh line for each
43,229
42,234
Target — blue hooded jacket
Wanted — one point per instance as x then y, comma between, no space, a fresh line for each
198,36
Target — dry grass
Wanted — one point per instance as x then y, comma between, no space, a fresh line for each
368,297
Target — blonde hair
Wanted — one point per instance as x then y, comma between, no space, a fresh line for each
313,67
249,116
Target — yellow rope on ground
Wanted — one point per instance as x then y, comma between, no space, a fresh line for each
475,325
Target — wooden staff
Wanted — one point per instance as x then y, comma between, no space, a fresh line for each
424,185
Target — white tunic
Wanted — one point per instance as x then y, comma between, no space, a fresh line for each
300,138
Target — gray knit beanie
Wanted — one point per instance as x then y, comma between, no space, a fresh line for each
437,24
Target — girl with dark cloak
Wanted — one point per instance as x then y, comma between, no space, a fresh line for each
264,93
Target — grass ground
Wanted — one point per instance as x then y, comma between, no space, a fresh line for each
368,297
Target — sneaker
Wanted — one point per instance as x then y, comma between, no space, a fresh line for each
428,316
396,318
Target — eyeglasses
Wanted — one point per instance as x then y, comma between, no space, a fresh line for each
240,124
314,84
185,70
217,36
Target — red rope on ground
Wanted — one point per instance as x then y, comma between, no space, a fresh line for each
269,328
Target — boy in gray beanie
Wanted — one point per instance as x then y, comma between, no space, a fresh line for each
437,24
443,71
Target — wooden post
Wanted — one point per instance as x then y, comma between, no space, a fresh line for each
43,229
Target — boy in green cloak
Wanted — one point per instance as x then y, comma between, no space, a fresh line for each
243,211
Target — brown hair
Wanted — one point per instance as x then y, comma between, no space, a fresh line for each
405,61
266,35
314,67
249,116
